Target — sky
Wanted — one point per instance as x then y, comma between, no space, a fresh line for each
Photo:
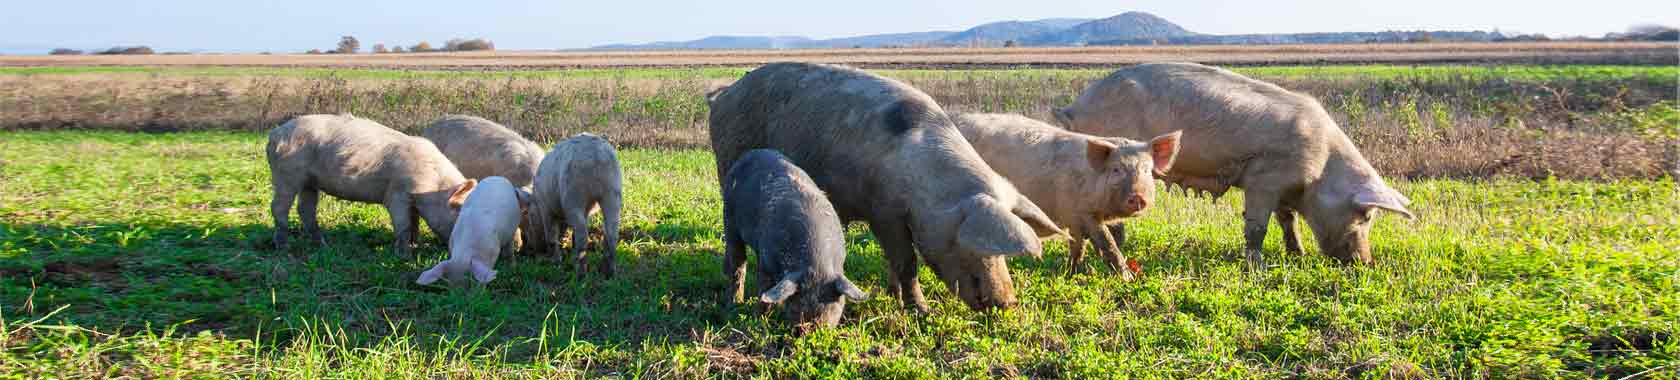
296,25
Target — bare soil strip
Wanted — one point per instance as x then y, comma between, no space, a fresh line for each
1631,53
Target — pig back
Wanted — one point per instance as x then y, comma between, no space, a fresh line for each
847,129
481,148
1227,119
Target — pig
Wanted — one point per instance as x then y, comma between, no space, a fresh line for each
484,231
887,154
579,176
481,148
773,207
359,160
1280,147
1081,181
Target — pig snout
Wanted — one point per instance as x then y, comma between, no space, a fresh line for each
1136,203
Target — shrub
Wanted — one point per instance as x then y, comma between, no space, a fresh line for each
128,50
421,47
313,51
398,49
64,51
380,49
469,45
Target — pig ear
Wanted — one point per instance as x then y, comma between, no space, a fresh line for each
1035,217
850,290
524,198
1163,149
482,272
783,289
431,275
1097,152
460,196
1064,117
1374,196
987,229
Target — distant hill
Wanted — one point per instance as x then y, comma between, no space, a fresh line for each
1130,28
1311,38
879,40
995,34
1126,26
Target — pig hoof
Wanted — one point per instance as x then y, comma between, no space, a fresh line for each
918,308
1255,261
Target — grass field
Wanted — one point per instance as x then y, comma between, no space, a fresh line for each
1571,122
145,256
1563,52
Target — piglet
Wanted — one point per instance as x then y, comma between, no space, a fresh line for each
773,207
484,231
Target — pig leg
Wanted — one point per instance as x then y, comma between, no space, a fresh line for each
414,227
308,200
1257,211
1291,241
1110,251
1118,231
507,251
610,208
281,208
901,263
577,219
403,223
734,267
551,233
1076,251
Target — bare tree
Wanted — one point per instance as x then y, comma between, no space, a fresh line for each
380,49
348,45
421,47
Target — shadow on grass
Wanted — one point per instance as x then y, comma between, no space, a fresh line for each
126,277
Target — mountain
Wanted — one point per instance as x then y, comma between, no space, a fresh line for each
880,40
1125,26
1313,38
994,34
1130,28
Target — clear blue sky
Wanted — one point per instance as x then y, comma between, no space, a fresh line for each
294,25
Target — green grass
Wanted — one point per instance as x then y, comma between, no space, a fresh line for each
1467,72
145,256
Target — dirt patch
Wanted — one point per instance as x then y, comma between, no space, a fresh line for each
105,273
1624,343
727,359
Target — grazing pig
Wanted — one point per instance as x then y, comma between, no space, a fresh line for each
359,160
579,176
1081,181
481,148
773,207
887,154
1280,147
484,231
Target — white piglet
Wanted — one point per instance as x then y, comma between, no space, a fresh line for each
485,230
